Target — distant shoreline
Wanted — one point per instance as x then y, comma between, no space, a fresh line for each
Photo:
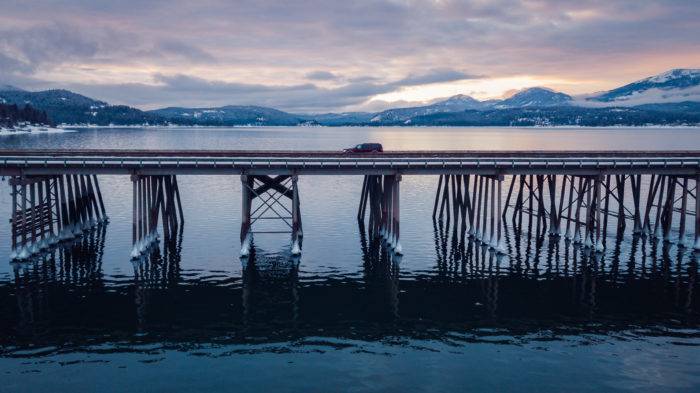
114,126
33,130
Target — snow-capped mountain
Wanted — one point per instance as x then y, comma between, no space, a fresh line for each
456,103
535,97
676,85
459,102
670,98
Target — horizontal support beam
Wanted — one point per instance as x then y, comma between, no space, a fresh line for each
463,170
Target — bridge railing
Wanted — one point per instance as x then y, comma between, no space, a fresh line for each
391,162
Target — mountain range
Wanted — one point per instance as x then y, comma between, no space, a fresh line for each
670,98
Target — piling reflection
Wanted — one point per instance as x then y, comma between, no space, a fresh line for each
72,273
160,267
646,279
543,284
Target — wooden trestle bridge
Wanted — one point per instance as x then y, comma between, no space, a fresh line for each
584,194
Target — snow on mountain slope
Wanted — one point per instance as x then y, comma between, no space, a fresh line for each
535,97
456,103
676,85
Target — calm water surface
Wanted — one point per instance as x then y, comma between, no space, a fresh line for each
344,317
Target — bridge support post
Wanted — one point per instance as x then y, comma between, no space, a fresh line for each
621,220
500,242
43,221
598,222
246,200
579,202
636,184
382,194
684,208
374,199
44,214
386,186
269,191
653,187
519,203
569,209
154,197
479,202
668,207
659,208
485,238
590,214
65,231
697,212
296,219
396,214
492,232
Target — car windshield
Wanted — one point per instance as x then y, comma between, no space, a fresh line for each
358,147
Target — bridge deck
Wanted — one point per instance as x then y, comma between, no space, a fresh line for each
111,161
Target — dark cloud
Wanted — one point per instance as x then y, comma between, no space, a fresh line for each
28,49
183,90
321,76
186,51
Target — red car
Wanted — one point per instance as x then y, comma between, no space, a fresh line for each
365,148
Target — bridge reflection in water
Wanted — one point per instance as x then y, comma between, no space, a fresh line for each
470,294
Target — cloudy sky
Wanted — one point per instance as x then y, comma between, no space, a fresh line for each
332,55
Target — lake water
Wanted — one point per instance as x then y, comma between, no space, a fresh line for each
344,317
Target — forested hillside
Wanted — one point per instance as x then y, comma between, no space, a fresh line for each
11,115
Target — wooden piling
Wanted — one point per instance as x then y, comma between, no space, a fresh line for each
474,207
437,196
41,222
65,208
510,192
296,246
363,200
579,202
697,212
636,182
134,210
684,208
551,183
500,247
569,206
668,214
32,201
176,189
397,215
99,198
659,207
246,200
606,209
519,204
15,216
25,218
492,233
598,198
621,220
485,228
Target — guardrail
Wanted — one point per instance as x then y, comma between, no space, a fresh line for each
179,164
287,161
